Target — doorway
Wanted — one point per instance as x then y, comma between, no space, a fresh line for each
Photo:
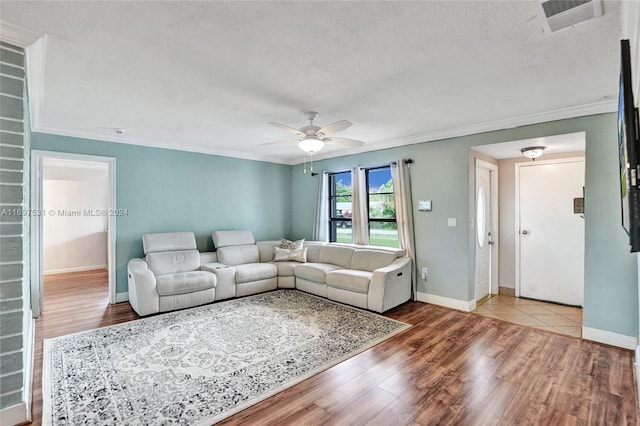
550,230
486,249
74,231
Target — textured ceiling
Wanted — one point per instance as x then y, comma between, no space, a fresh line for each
208,76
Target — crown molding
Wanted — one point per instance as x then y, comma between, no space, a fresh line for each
559,114
154,144
18,36
509,123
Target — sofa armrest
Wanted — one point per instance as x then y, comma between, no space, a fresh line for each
208,257
143,294
390,286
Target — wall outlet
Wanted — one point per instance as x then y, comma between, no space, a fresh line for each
425,271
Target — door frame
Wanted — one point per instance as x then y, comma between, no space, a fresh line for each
37,179
495,237
517,205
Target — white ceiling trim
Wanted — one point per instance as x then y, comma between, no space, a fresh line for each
154,144
572,112
560,114
16,35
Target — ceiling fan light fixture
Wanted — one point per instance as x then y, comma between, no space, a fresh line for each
532,152
311,144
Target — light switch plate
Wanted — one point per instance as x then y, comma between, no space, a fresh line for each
452,221
424,205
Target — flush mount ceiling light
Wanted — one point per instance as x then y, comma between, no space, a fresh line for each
533,152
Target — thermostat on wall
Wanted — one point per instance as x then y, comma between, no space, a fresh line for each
424,205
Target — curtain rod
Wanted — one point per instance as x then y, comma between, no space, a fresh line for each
405,161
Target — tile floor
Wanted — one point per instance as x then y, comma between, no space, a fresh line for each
547,316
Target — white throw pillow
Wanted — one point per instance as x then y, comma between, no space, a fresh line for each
297,255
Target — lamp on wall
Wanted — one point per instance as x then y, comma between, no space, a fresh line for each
532,152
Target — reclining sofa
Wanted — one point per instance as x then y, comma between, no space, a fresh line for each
369,277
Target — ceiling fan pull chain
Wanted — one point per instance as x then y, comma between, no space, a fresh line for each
305,163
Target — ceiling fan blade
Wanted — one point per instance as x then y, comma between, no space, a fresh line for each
343,142
287,129
335,127
280,142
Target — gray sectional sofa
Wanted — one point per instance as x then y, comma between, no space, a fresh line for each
173,275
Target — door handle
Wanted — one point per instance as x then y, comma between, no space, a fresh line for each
524,232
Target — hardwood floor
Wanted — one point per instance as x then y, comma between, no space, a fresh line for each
450,368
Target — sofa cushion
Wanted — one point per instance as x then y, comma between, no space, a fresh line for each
336,255
184,282
266,249
169,262
286,269
370,260
349,279
255,271
168,241
313,251
316,272
236,255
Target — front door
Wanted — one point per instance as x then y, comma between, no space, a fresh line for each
551,233
483,232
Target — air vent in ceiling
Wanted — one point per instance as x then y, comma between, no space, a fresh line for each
559,14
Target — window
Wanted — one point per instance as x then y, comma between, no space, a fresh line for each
381,208
340,196
383,228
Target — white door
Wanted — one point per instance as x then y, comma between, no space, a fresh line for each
551,234
483,232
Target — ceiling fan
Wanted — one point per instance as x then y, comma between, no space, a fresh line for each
312,138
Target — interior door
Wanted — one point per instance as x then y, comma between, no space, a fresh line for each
483,232
551,234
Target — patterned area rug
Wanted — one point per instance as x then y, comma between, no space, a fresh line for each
200,365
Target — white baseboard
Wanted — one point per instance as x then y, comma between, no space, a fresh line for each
609,338
78,269
447,302
122,297
15,414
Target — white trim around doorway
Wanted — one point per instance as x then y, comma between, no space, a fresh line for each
495,225
37,158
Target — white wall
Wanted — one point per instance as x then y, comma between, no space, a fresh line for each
507,212
73,239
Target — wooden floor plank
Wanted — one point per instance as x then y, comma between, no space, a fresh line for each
450,368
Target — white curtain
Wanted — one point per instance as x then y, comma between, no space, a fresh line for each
400,173
360,219
321,224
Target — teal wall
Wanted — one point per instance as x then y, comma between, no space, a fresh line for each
165,190
441,173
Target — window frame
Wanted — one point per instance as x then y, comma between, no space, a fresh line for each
333,230
334,221
374,219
